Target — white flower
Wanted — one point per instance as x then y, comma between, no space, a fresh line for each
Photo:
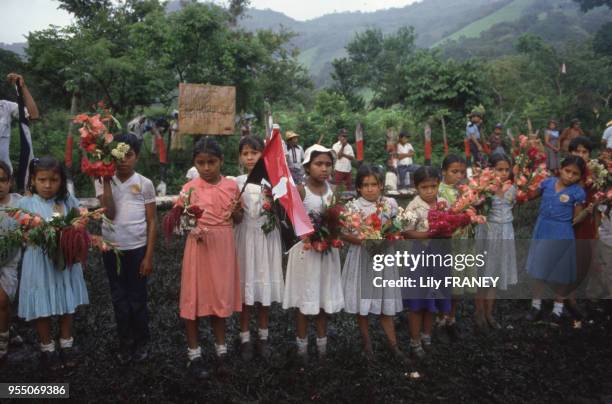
56,214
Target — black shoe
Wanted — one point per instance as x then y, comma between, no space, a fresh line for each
222,369
50,361
399,355
263,349
418,351
555,319
15,339
246,351
197,369
453,332
575,312
124,356
533,314
68,357
442,334
141,353
493,323
481,326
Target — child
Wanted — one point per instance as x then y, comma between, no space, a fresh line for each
210,278
313,282
552,254
9,260
551,141
496,237
424,302
44,289
360,296
129,199
586,230
454,170
405,152
259,255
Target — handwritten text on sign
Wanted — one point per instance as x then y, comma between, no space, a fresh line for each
206,110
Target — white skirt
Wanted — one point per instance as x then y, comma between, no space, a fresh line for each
260,257
360,295
313,281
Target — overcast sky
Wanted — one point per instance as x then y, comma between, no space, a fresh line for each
18,17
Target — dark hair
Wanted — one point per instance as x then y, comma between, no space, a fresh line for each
366,170
452,159
574,160
425,173
580,141
5,167
403,134
497,157
48,163
208,146
129,139
252,141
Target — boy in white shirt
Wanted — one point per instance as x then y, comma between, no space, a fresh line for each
129,199
344,154
405,152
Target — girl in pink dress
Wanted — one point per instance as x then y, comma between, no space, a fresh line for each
210,280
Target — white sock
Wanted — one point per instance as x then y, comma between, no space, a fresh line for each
263,334
451,321
4,340
302,345
221,349
245,337
66,343
322,345
415,343
536,303
426,339
558,308
50,347
194,353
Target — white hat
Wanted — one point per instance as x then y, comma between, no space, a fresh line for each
320,149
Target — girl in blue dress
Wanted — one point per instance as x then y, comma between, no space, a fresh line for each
46,290
552,254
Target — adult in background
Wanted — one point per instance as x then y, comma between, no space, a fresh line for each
551,143
10,110
405,166
295,157
606,139
496,141
570,134
345,154
472,134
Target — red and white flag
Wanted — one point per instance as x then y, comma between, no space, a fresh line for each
359,141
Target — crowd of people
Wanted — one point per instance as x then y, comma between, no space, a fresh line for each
232,265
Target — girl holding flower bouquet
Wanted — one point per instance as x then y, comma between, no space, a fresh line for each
552,254
10,255
425,302
210,278
360,296
258,243
313,282
45,289
496,237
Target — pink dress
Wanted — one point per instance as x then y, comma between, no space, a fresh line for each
210,280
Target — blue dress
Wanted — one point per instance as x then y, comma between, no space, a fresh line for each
552,254
45,291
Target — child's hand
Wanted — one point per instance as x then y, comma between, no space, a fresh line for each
146,267
236,211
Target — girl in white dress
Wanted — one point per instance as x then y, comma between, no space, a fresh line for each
258,244
313,282
361,297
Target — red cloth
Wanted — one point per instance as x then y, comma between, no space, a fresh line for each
68,151
343,178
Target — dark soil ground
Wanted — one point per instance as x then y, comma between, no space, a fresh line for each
524,362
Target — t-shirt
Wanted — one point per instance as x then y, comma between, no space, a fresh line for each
404,149
129,230
295,156
472,129
343,164
8,110
192,173
607,136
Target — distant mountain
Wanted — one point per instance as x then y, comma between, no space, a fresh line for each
17,47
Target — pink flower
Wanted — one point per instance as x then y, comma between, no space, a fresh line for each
108,137
81,118
25,220
36,221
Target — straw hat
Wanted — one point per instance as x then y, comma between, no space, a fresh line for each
290,135
320,149
609,124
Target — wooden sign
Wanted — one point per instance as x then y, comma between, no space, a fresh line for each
206,109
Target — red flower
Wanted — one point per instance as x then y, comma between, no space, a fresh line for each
374,221
337,243
267,206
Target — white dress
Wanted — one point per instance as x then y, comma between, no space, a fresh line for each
360,295
313,281
260,255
